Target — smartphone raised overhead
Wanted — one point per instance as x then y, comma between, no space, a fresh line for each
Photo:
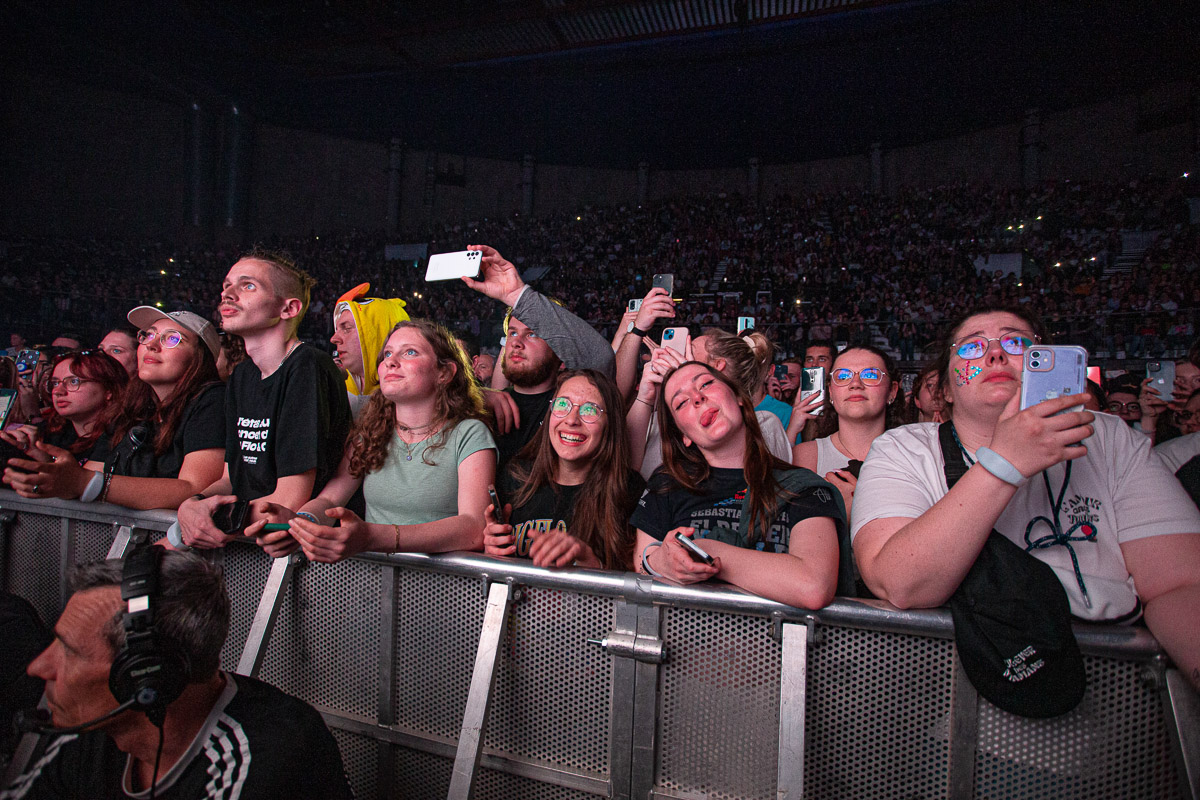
812,381
665,281
635,304
1163,375
745,324
676,339
694,550
450,266
1052,370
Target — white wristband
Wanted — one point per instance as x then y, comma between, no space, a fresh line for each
92,491
999,466
646,561
175,536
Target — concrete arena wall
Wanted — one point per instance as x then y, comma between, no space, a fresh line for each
83,161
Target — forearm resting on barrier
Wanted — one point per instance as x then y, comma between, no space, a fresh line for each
804,577
919,563
329,544
1166,573
200,468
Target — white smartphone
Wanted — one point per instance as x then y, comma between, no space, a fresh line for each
812,381
745,324
451,266
1051,371
676,339
635,304
1163,373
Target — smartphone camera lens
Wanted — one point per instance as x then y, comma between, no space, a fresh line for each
669,334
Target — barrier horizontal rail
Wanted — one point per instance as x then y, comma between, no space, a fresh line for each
697,691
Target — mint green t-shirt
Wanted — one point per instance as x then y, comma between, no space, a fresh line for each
404,492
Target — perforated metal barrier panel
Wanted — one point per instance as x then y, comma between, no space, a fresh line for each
385,648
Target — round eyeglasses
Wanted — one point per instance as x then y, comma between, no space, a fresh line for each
167,339
1014,344
588,412
870,376
72,383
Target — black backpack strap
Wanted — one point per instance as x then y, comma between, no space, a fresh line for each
954,464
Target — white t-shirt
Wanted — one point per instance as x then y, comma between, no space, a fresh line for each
1120,487
1179,451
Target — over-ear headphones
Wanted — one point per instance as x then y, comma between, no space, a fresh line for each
151,669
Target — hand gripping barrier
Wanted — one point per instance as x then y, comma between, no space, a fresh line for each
465,676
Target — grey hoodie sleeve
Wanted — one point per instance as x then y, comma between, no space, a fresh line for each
577,344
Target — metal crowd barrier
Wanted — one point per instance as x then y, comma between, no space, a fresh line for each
467,676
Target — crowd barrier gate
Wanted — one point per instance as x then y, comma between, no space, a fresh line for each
467,676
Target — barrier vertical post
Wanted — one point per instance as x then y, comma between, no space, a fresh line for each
470,738
1181,707
645,704
384,776
264,618
964,732
793,695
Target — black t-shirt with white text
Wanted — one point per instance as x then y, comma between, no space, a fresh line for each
294,420
717,509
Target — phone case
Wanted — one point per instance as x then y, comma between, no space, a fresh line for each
1163,373
812,381
1051,371
676,339
450,266
666,281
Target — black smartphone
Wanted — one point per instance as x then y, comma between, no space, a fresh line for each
9,450
694,549
664,280
231,517
497,505
781,372
853,467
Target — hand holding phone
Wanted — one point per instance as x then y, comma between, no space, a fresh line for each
1051,371
676,339
231,518
497,506
694,550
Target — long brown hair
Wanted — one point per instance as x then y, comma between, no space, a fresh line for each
458,399
98,366
686,464
603,506
893,415
142,404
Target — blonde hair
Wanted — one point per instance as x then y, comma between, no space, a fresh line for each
748,357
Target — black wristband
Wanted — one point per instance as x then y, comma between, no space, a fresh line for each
636,331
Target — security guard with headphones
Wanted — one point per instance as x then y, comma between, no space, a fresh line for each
139,706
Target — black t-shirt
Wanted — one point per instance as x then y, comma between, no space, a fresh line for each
533,408
202,427
717,509
552,507
66,437
294,420
257,744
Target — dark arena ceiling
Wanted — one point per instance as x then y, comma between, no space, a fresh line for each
678,83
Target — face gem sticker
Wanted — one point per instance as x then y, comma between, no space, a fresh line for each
964,374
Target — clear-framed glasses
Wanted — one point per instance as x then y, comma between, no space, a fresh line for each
1119,408
167,339
71,383
870,376
1014,344
589,412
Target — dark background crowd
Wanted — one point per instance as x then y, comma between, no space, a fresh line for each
1112,266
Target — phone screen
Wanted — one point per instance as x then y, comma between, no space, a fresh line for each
8,398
